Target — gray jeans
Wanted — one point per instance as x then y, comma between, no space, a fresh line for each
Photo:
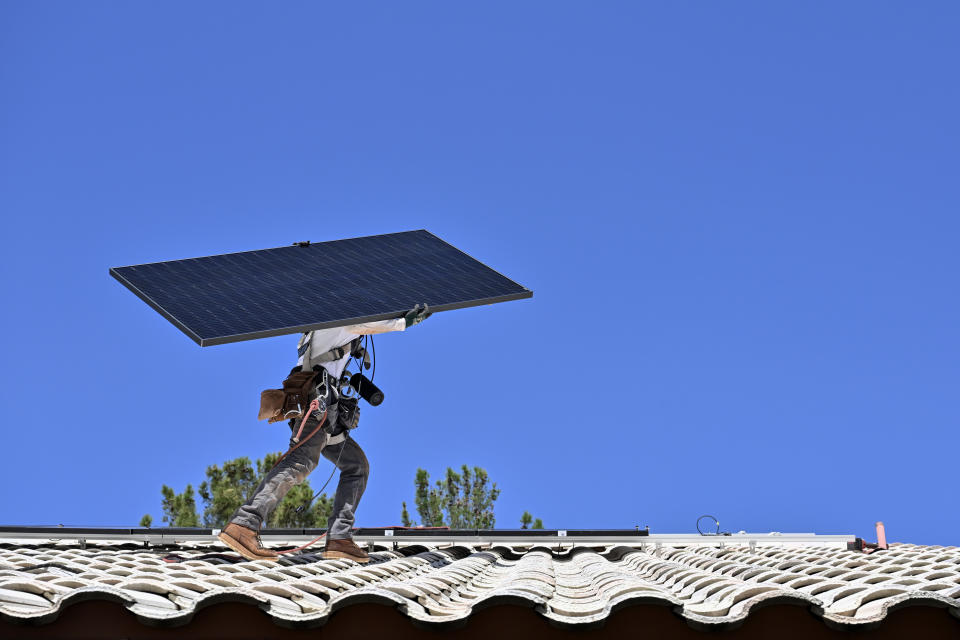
354,470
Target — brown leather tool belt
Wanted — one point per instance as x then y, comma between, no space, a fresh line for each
291,401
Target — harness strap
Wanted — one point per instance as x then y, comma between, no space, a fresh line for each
331,440
334,354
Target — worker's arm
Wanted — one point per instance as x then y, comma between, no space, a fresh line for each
383,326
414,316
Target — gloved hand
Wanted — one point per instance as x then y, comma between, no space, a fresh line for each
417,315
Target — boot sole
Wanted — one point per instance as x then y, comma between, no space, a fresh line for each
331,555
242,550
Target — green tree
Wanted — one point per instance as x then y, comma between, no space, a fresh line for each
146,521
227,487
405,516
462,500
316,515
427,501
526,519
179,509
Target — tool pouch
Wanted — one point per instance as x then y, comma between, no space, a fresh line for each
271,405
289,402
348,414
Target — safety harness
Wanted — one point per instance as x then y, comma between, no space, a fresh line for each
300,386
352,348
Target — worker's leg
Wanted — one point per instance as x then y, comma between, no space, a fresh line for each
354,471
291,471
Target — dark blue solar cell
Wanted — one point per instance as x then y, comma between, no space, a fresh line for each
257,294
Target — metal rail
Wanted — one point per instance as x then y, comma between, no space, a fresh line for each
407,537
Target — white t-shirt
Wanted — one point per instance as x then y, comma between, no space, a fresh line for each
323,340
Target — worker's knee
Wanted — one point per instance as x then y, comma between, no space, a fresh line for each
359,468
355,465
303,469
300,464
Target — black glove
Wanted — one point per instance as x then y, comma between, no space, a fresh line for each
417,315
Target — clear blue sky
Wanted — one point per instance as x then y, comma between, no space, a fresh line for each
740,222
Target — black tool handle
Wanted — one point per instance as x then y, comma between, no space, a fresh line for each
367,390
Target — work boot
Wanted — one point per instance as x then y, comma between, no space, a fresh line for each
246,542
345,549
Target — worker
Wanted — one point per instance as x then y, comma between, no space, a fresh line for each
326,351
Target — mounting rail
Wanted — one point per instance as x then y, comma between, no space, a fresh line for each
400,536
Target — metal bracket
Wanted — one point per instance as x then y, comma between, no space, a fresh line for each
162,536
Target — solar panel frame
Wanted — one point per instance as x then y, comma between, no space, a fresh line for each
129,278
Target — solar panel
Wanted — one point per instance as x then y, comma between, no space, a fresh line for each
271,292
